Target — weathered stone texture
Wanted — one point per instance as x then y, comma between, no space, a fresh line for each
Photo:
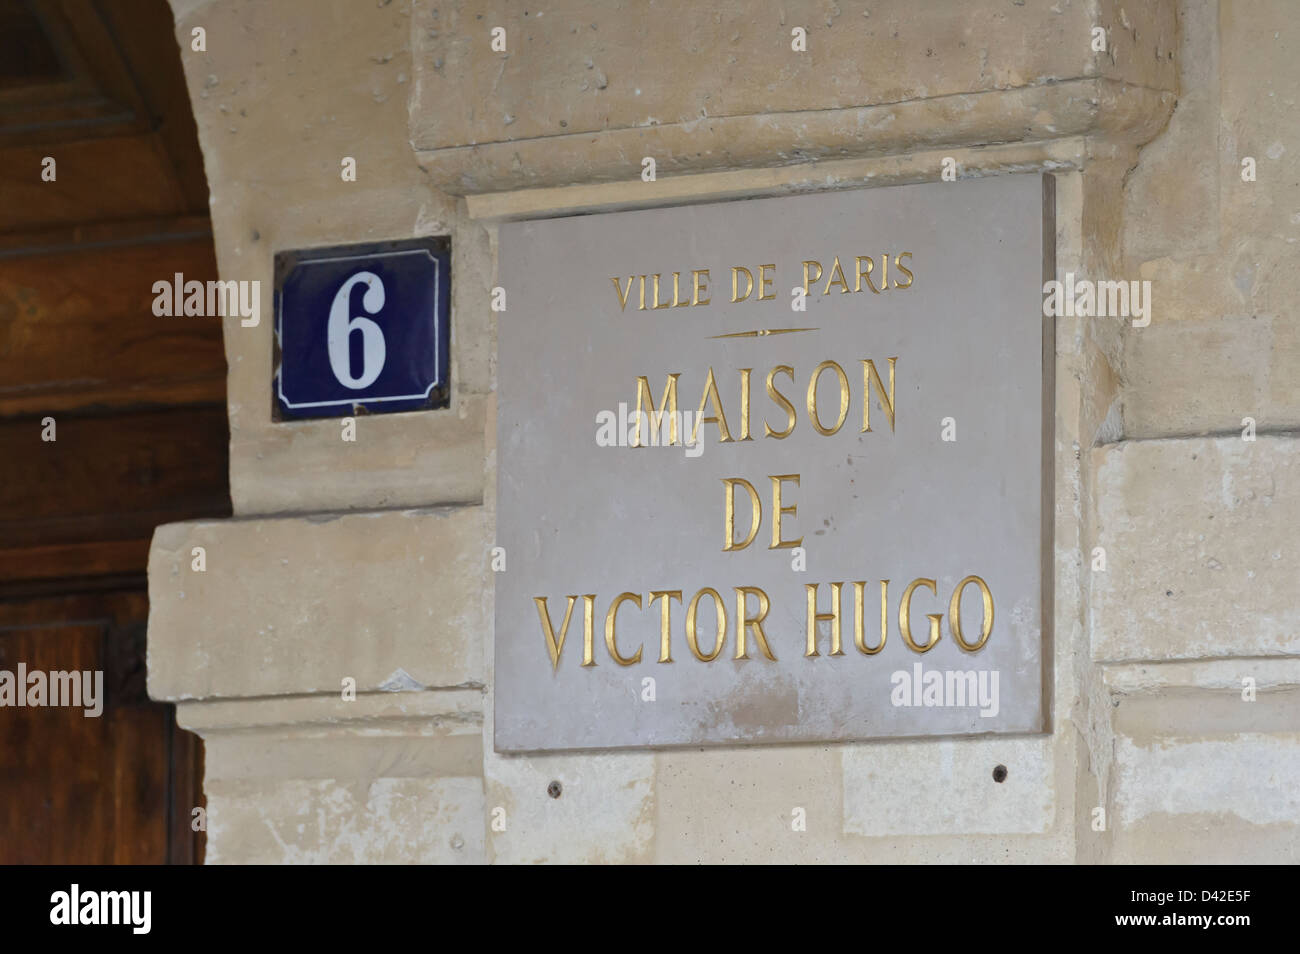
1220,252
1207,777
298,604
1147,719
1201,552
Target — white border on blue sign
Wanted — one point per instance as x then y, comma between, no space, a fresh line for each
279,377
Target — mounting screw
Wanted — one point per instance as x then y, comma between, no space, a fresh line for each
554,789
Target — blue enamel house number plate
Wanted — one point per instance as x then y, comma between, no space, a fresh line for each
362,329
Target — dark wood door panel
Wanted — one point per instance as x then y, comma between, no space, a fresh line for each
77,328
114,789
138,403
110,478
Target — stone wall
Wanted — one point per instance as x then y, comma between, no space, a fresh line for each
370,560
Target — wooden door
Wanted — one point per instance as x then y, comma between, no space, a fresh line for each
117,788
112,420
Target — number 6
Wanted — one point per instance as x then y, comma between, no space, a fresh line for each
340,328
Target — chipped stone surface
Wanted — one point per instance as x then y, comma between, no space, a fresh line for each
1191,777
339,821
296,605
1206,776
387,777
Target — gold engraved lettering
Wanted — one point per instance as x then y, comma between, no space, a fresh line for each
665,647
778,511
735,283
810,279
744,403
815,617
677,301
905,617
553,645
780,399
871,379
623,295
729,516
588,629
657,304
844,398
833,280
610,619
700,288
859,637
866,275
954,614
655,416
745,621
718,417
904,269
692,611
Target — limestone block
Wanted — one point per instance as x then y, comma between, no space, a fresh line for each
766,805
1187,376
284,91
1269,673
604,813
1075,108
947,787
397,460
1056,156
391,599
1219,251
584,67
1175,188
340,821
1200,547
392,777
1205,777
1258,105
1141,41
412,459
582,92
281,95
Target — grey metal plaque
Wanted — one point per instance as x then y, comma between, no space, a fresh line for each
943,284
